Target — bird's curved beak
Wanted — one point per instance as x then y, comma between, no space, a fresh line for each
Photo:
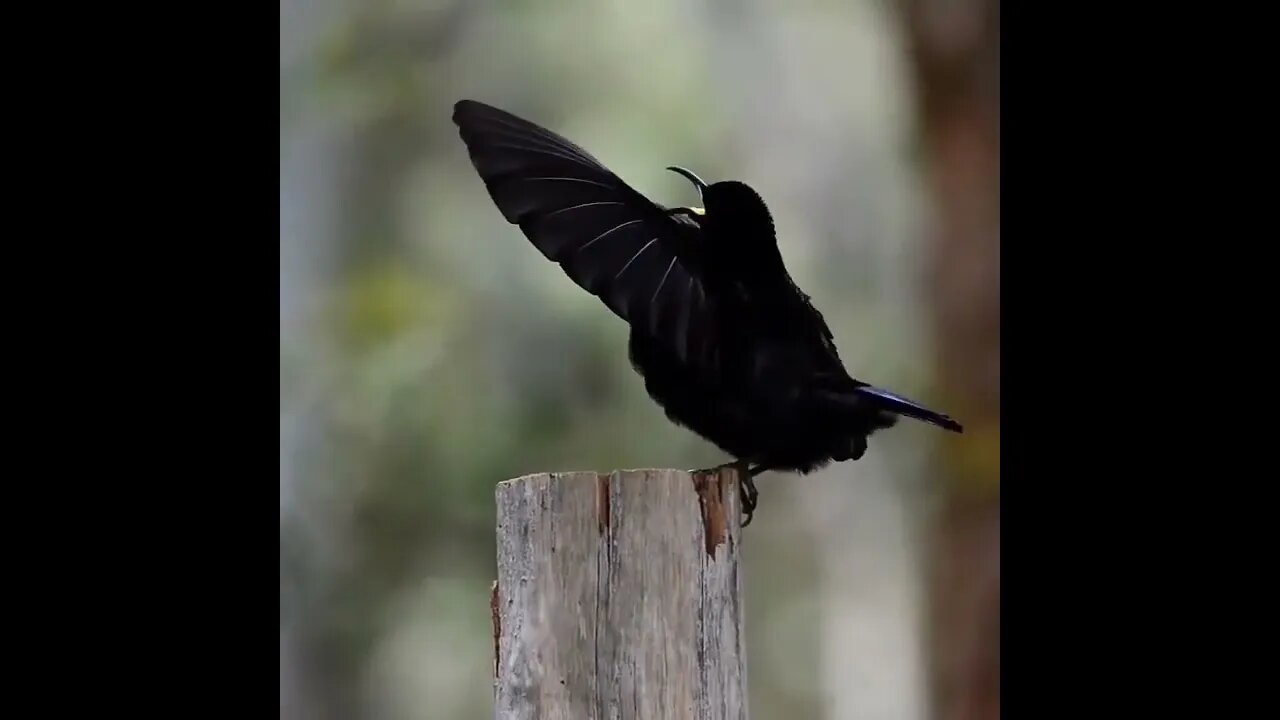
697,181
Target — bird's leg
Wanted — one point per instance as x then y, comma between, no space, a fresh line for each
749,495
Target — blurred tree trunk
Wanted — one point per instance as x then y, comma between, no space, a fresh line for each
954,47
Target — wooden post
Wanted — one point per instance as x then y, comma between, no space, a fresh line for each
619,596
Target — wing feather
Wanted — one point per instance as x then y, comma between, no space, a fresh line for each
607,237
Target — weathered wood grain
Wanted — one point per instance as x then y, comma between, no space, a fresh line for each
619,597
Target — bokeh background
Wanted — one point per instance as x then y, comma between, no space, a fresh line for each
428,351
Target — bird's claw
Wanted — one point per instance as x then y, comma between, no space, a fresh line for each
747,488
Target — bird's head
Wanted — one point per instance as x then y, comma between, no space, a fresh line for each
731,206
692,211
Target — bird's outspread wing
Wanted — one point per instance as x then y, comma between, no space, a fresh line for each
608,238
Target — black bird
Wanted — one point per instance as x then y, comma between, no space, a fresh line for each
725,341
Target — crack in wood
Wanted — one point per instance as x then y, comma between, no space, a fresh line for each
602,501
715,525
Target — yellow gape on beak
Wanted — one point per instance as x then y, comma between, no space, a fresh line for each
697,211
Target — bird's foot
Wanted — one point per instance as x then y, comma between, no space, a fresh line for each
750,496
746,484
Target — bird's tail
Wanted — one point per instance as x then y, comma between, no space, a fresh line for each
895,403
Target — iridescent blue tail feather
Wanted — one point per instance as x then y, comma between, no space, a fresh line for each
895,403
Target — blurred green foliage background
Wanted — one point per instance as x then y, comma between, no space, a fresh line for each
428,351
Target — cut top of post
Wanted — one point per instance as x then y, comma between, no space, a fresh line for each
619,596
